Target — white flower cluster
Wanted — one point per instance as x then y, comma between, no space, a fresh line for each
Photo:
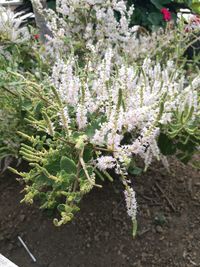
105,162
134,100
10,26
98,25
131,203
95,20
66,82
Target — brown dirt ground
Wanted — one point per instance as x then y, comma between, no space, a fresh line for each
168,218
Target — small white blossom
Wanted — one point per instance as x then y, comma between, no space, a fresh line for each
64,117
81,116
105,162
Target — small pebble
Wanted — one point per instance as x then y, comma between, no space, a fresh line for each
22,217
159,229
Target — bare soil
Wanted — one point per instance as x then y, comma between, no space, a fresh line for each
168,225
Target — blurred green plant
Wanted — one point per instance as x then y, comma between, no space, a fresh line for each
14,105
148,12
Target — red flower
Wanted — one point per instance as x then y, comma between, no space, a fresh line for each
166,14
36,36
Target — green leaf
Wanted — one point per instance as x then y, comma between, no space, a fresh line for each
93,126
88,153
188,147
52,4
27,105
160,3
184,157
42,180
160,219
76,135
53,166
66,178
196,7
37,110
68,165
155,18
166,145
135,170
61,207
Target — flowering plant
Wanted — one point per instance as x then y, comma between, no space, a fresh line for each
91,122
95,112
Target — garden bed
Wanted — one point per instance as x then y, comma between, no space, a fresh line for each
87,96
168,219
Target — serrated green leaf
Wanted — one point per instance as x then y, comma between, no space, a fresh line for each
68,165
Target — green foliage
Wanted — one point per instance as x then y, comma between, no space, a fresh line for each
59,176
15,104
148,12
182,137
68,165
61,170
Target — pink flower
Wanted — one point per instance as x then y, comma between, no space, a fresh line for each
196,20
193,24
166,14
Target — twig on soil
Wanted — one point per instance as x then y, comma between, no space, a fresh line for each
166,197
27,249
193,263
196,204
146,197
154,204
151,201
140,233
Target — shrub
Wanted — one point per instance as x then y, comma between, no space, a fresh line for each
102,104
95,121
